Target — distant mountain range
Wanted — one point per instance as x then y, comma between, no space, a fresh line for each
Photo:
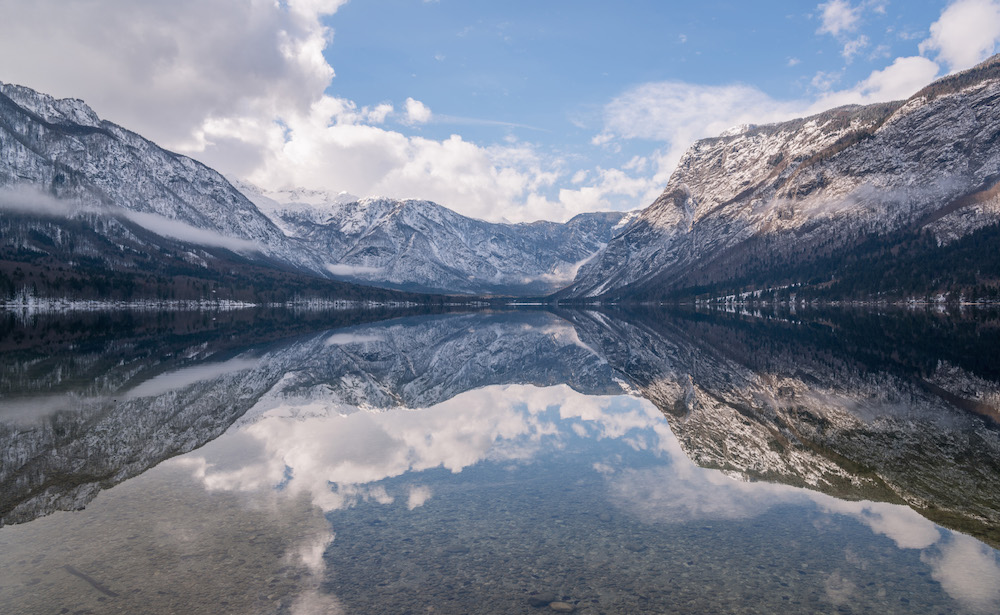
890,200
419,245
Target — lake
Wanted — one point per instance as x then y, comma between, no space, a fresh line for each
527,461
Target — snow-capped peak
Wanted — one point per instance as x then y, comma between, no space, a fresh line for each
52,110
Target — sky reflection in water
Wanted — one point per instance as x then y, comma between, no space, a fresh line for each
330,494
340,460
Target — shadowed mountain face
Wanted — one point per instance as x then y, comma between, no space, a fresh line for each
858,406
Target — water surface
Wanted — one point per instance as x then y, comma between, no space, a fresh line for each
501,462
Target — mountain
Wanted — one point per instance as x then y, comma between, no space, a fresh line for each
60,159
895,198
89,210
105,209
422,246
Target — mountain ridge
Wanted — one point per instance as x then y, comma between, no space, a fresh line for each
414,244
78,191
786,203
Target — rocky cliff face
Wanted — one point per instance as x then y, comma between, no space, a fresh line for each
768,199
419,245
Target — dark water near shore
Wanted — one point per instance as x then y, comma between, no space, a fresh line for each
511,462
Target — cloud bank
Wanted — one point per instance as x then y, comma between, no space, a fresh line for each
28,199
245,87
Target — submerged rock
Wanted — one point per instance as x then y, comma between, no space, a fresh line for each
542,599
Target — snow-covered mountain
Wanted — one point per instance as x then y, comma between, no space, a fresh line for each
785,202
58,158
419,245
73,186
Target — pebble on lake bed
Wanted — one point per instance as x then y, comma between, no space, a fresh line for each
542,599
562,607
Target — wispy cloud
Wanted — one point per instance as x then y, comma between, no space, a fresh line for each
417,112
472,121
31,200
28,199
175,229
343,269
838,16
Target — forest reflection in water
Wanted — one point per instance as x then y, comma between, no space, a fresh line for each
496,461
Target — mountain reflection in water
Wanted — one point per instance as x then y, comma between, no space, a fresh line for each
490,462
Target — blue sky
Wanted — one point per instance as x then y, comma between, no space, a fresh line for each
553,65
500,110
542,72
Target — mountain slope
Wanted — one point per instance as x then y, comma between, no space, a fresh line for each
419,245
57,157
789,202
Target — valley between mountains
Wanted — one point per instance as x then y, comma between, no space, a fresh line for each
893,201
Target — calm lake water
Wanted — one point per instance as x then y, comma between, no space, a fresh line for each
512,462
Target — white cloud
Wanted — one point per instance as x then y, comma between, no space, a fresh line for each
418,496
853,47
498,182
379,113
175,229
969,571
966,34
899,80
823,81
678,113
167,69
838,16
351,270
28,199
417,112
